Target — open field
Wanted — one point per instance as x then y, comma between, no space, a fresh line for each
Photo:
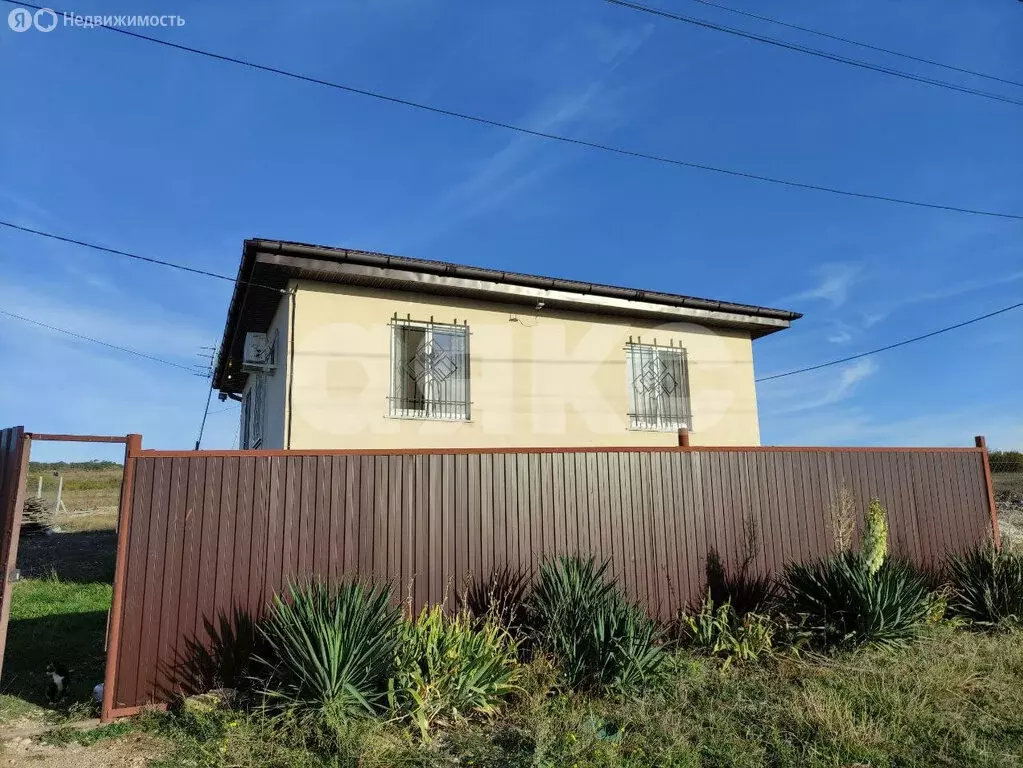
1009,497
59,609
91,493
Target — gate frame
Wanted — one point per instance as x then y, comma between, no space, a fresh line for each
132,447
14,503
17,497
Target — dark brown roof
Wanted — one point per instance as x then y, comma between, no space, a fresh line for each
267,266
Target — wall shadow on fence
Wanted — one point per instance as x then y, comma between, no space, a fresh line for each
221,656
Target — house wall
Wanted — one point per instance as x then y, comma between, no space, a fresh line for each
537,377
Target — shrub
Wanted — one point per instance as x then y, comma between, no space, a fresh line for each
601,641
447,668
842,603
718,630
987,586
332,651
1006,461
501,597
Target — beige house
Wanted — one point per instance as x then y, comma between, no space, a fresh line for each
333,348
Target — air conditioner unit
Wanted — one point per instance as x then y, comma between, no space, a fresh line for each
258,354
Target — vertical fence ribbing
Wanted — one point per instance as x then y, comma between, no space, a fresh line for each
213,532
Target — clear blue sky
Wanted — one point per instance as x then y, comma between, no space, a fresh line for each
167,154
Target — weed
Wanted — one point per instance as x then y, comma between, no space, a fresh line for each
449,668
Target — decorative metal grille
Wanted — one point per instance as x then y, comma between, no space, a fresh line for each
258,411
253,413
429,371
658,383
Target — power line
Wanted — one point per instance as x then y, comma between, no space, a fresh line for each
550,136
812,52
147,259
868,46
102,343
902,343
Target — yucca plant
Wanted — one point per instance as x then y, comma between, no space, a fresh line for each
450,667
842,602
331,651
601,641
987,586
500,597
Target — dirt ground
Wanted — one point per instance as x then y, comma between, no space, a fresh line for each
131,751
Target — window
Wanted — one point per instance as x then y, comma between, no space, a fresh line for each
243,428
258,391
429,371
658,383
253,413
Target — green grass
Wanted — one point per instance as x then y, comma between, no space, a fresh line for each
53,620
65,735
952,698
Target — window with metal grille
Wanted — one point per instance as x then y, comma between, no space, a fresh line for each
243,428
253,413
658,383
258,411
429,370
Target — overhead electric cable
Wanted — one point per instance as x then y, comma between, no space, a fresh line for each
814,52
868,46
102,343
552,136
885,348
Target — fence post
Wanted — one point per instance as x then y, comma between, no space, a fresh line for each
982,444
683,437
132,446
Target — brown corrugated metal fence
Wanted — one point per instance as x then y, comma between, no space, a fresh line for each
208,533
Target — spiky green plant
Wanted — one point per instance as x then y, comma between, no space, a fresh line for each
842,603
987,586
718,630
875,536
501,596
331,651
579,616
448,668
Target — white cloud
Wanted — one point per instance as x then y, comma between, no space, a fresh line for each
524,160
138,325
952,290
835,282
815,392
857,427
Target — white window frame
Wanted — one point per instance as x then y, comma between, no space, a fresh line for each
253,413
435,387
243,427
258,411
649,368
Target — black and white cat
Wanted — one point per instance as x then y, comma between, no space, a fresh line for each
58,680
